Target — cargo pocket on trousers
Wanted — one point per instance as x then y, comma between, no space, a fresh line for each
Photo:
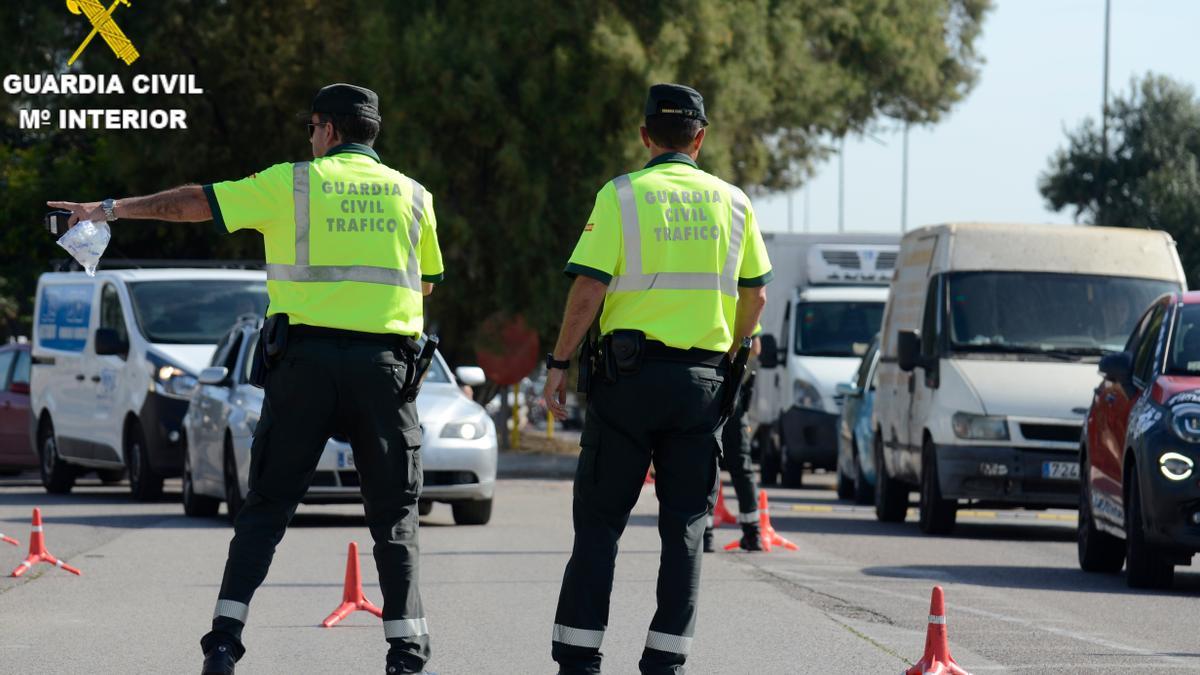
412,454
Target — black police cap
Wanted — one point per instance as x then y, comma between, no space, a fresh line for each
675,99
347,99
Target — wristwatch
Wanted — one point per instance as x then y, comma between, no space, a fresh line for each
109,206
552,362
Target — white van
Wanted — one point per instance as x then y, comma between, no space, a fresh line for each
115,359
824,328
990,345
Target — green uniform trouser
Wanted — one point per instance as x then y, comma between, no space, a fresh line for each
668,411
322,386
735,442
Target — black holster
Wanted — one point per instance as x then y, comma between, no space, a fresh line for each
272,345
587,365
624,351
419,365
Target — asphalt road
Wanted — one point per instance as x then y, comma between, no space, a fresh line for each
853,599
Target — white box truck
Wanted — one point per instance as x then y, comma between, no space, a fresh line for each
990,345
823,308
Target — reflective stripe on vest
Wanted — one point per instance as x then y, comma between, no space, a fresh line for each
405,628
303,272
631,232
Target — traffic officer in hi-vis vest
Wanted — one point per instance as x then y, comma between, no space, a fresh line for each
735,458
675,256
351,249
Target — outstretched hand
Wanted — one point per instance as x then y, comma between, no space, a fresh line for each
87,211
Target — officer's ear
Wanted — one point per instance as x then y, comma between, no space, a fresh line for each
699,140
645,137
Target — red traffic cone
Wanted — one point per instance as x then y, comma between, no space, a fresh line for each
764,524
38,552
937,659
770,538
721,514
9,540
352,594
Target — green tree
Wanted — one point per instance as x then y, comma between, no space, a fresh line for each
513,114
1149,177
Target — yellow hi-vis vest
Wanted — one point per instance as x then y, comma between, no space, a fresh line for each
673,244
348,240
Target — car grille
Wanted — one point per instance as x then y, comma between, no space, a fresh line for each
450,478
1054,433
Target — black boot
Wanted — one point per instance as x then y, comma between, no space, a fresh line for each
709,547
219,660
751,538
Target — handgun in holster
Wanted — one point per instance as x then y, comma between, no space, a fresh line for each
420,365
272,344
733,380
747,391
587,365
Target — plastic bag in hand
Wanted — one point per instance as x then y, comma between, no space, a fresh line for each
86,243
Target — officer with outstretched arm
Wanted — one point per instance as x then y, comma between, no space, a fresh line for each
351,249
675,256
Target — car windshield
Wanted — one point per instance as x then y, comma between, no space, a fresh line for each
1055,314
836,328
194,311
1184,358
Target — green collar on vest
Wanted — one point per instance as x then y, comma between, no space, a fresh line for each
355,148
672,157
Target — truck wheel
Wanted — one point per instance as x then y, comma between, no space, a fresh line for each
792,474
770,458
196,505
845,484
144,484
1098,551
472,513
1145,564
938,515
233,488
58,477
863,494
891,496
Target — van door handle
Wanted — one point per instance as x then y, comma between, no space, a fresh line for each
95,378
79,378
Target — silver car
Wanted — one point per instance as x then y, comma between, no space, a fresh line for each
458,452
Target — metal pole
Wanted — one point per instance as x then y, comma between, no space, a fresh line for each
1104,120
841,186
904,185
791,223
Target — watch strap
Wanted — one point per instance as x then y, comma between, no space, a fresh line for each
552,362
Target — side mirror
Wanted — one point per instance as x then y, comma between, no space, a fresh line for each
846,389
214,375
1117,367
109,343
19,388
770,352
908,350
472,376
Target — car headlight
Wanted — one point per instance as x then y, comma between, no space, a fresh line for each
1175,466
1185,422
467,430
168,378
805,395
980,427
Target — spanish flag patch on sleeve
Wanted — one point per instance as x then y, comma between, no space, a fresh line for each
588,227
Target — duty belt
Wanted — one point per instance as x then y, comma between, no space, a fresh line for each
390,339
703,357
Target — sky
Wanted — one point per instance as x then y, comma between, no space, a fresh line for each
1043,74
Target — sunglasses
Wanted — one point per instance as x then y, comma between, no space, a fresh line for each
313,125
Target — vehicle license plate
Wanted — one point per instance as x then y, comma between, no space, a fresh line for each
345,459
1060,470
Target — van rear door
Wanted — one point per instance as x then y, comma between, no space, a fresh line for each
64,321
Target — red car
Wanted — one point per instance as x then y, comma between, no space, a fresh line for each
16,452
1140,492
